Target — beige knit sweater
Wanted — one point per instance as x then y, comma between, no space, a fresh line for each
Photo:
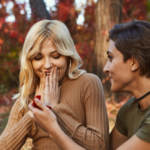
81,113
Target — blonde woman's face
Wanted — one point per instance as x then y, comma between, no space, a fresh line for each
47,58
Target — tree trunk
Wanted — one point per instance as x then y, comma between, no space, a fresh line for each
108,13
102,27
115,11
39,9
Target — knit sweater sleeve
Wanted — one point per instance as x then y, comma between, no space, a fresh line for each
93,135
17,128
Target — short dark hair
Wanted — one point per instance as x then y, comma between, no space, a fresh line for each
132,39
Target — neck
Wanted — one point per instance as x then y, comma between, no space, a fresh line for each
142,87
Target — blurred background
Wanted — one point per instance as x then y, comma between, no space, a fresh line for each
88,21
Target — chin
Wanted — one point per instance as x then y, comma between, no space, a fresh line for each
60,78
115,89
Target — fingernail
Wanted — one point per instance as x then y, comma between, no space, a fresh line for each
49,106
38,97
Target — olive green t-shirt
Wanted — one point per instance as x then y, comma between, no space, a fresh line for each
131,120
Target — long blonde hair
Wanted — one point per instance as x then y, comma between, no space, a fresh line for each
60,36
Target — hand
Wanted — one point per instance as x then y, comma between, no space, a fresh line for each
33,101
52,89
47,121
41,87
43,116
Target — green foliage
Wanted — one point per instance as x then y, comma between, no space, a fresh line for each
148,9
4,120
3,89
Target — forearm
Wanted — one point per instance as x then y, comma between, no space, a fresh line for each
65,142
88,137
15,137
116,139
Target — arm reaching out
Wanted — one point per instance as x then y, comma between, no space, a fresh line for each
47,120
17,129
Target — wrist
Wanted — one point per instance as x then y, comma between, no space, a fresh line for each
54,130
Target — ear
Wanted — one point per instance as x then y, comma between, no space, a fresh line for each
134,64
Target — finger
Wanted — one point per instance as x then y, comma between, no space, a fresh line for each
31,114
46,86
42,82
47,81
50,81
34,110
54,78
57,75
39,104
46,90
30,107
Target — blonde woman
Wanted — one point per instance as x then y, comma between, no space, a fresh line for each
50,67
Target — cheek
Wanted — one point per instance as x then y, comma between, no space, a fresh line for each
36,66
121,77
116,66
62,67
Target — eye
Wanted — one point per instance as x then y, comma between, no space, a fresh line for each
110,57
56,56
38,57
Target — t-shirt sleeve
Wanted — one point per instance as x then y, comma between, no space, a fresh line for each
120,121
144,131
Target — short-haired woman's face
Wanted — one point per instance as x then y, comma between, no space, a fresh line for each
47,58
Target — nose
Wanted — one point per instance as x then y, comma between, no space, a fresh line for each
47,63
106,67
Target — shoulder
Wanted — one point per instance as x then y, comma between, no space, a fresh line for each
126,109
91,83
122,116
89,78
17,103
144,130
17,108
126,106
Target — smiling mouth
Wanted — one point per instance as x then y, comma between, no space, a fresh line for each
108,78
47,73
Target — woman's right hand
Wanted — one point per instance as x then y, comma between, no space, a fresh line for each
44,116
47,120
